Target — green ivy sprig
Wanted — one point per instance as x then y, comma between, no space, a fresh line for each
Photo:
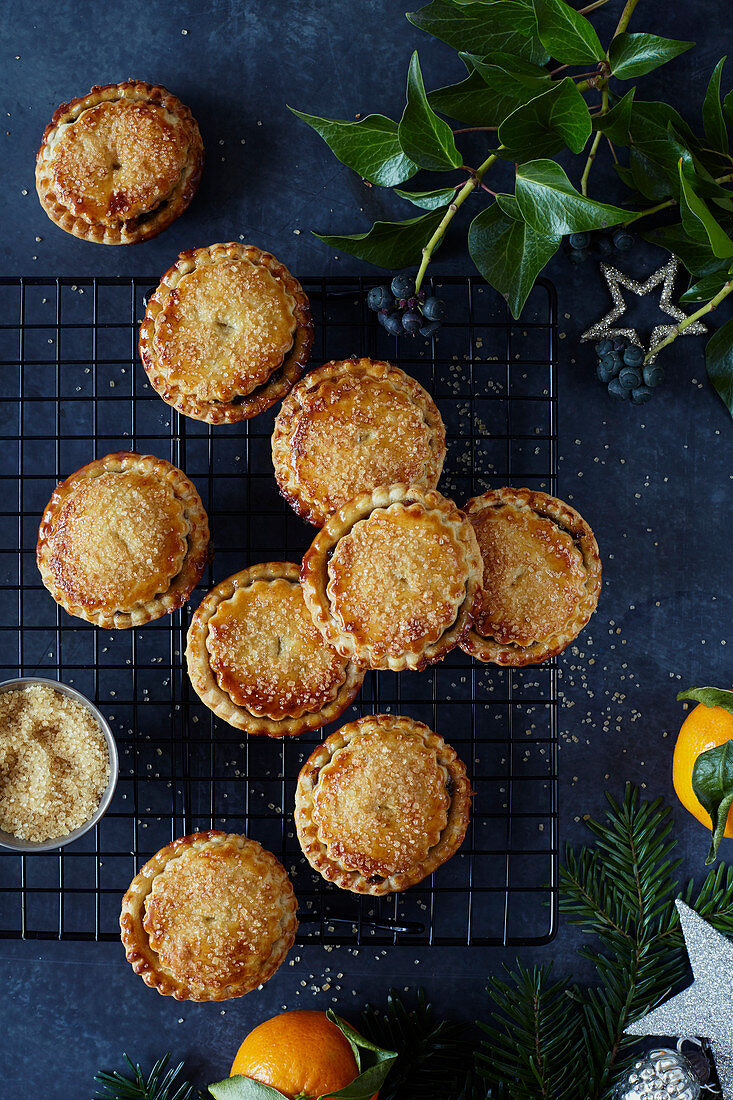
539,83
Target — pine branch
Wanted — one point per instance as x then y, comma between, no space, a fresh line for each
159,1084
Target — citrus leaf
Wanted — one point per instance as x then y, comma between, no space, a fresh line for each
719,363
388,244
549,122
507,25
550,204
508,253
428,200
378,1063
567,35
632,55
243,1088
616,123
697,218
709,697
712,112
712,782
706,288
425,138
371,147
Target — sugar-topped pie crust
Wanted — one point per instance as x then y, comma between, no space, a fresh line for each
380,804
226,334
541,580
118,165
350,426
209,917
391,578
123,540
256,660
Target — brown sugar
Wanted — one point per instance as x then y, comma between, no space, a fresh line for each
54,763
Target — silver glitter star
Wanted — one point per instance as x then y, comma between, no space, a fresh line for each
616,279
705,1008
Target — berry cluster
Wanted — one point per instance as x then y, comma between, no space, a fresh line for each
621,368
580,245
401,309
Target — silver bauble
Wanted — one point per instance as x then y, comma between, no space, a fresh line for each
659,1075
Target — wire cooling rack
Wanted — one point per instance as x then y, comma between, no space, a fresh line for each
71,390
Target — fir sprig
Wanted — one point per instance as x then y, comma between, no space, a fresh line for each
158,1085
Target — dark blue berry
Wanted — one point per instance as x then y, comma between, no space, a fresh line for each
605,374
379,297
611,363
392,322
578,255
620,343
411,321
653,375
403,286
641,395
623,240
579,240
430,329
617,390
605,246
434,309
603,347
630,377
634,356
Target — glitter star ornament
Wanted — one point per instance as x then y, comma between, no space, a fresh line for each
616,279
705,1008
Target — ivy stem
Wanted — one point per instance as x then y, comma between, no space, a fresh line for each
592,7
474,129
596,143
625,16
670,202
469,186
680,328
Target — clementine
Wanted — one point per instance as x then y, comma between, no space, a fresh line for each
303,1054
704,728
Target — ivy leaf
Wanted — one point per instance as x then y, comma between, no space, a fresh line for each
243,1088
507,25
549,203
706,288
470,101
616,123
567,35
493,89
697,257
388,244
697,218
712,112
508,252
428,200
371,147
632,55
425,138
712,782
546,124
710,696
719,362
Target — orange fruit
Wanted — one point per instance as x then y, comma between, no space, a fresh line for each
299,1053
704,728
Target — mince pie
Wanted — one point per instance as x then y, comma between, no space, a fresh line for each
350,426
391,578
226,334
381,804
120,164
257,661
210,916
541,576
123,540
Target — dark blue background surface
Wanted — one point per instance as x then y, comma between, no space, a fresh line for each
654,482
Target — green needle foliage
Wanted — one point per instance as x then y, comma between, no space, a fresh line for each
161,1083
539,82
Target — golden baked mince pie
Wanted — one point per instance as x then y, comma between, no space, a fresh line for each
380,804
226,334
209,917
123,540
257,661
391,578
350,426
120,164
541,576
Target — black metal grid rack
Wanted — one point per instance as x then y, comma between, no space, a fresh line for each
72,389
